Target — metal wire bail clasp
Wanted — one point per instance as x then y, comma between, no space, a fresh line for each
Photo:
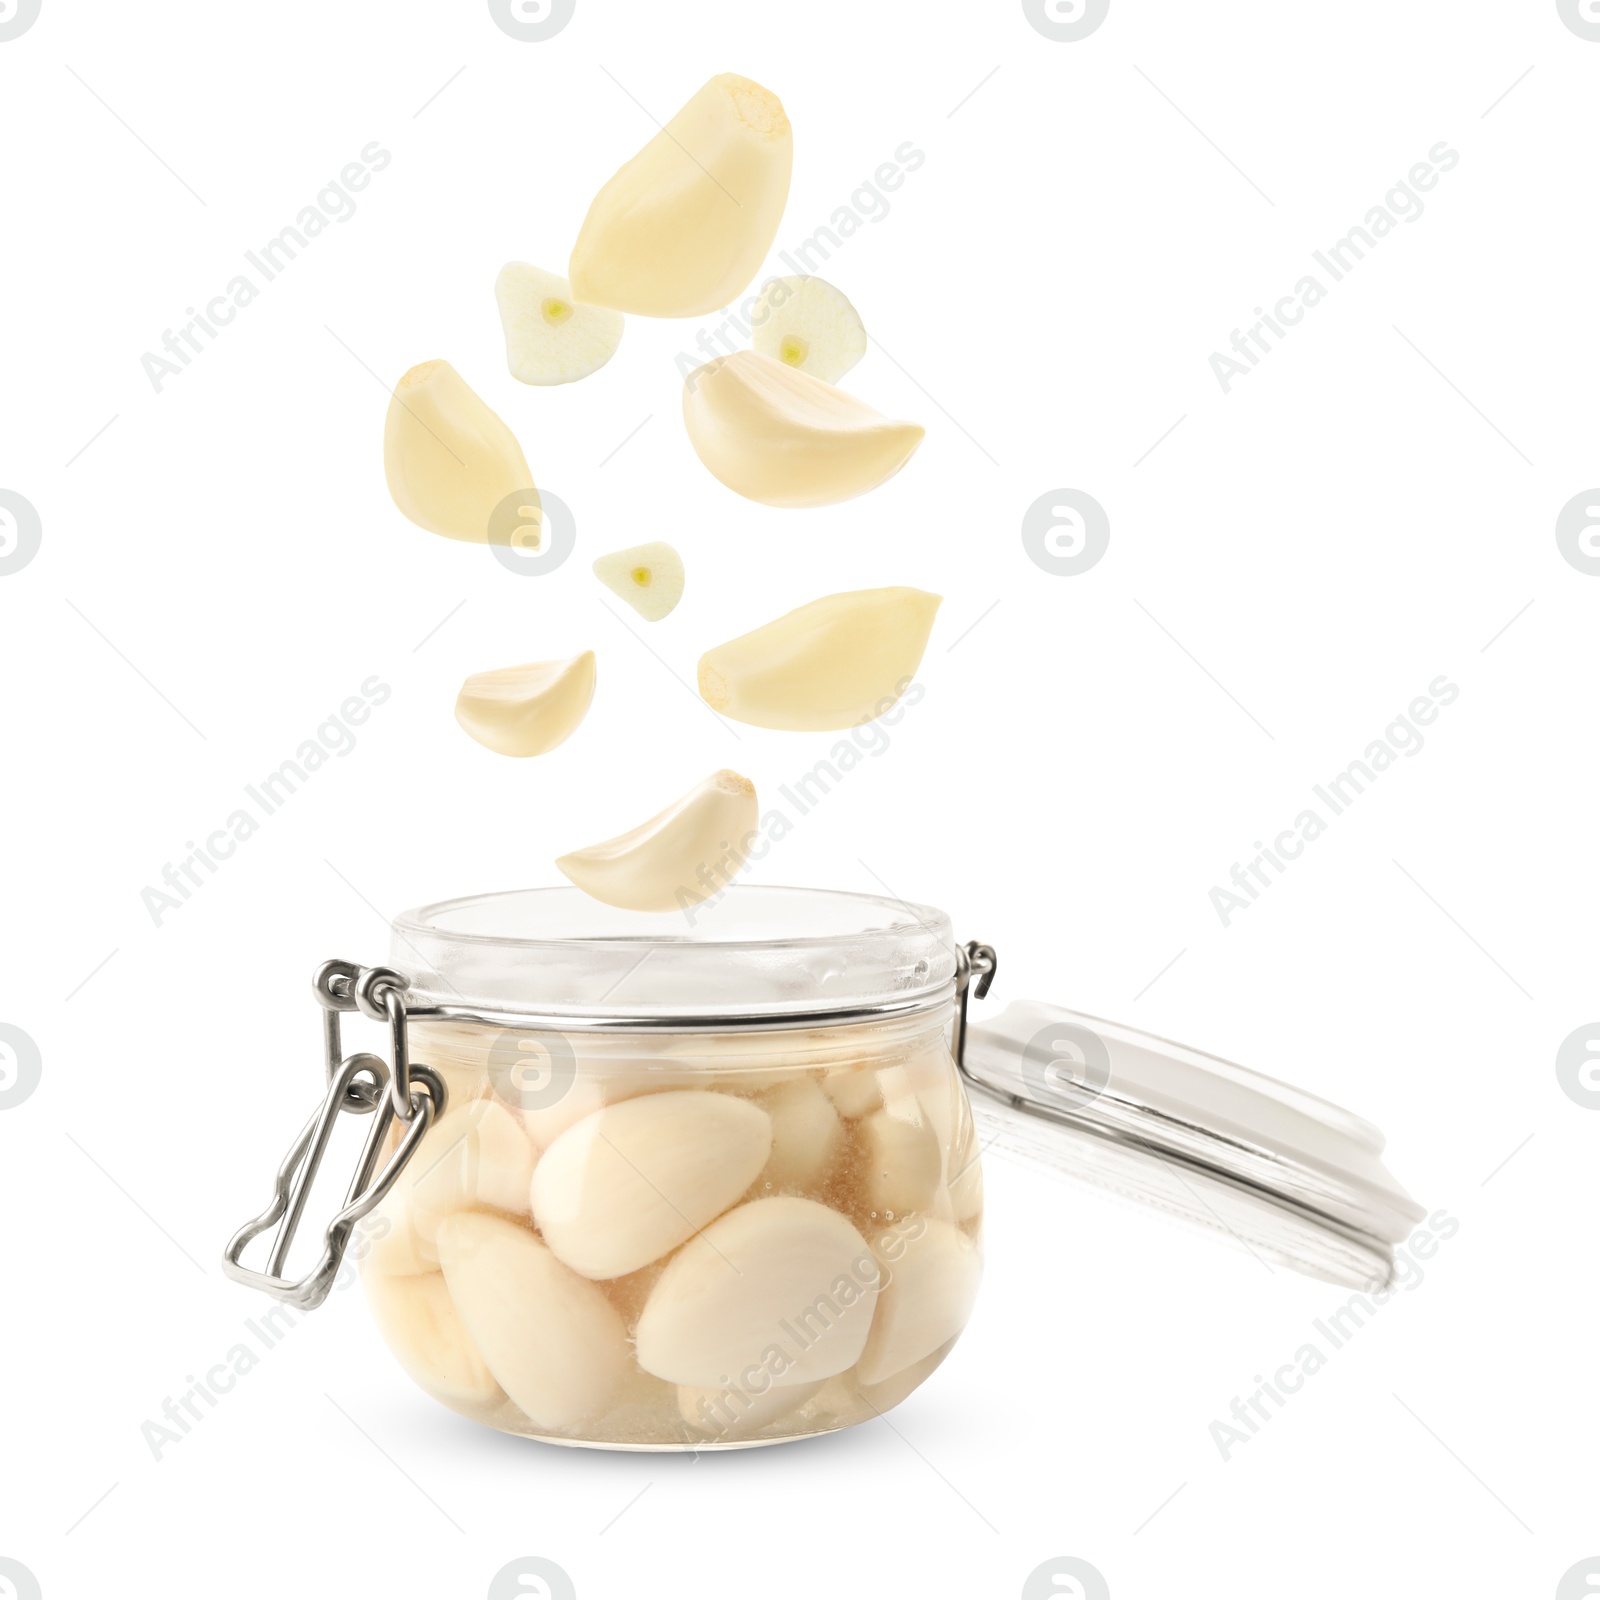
357,1084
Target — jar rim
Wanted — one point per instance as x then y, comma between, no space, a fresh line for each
757,951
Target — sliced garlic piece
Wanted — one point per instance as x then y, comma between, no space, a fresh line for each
679,857
419,1324
805,1134
931,1272
785,438
634,1180
476,1155
835,663
648,576
807,324
682,228
550,337
781,1289
733,1412
527,710
901,1160
452,464
553,1341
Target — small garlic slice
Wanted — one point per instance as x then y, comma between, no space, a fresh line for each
553,1341
453,466
838,662
682,228
931,1272
550,337
784,438
634,1180
527,710
419,1323
807,324
779,1290
648,576
679,857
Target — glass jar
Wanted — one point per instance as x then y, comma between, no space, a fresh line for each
715,1182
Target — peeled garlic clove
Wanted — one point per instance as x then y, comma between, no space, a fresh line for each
807,324
648,576
780,1290
452,464
678,858
835,663
419,1323
732,1412
785,438
805,1134
550,337
475,1155
887,1394
853,1090
634,1180
931,1272
553,1341
683,227
527,710
901,1160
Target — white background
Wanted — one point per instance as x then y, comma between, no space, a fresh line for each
1289,567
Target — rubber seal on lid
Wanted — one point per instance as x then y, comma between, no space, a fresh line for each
1277,1170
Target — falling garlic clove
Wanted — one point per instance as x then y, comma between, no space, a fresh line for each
835,663
453,466
551,337
678,858
682,228
648,576
807,324
527,710
784,438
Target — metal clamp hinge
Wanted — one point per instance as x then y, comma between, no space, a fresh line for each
363,1084
978,962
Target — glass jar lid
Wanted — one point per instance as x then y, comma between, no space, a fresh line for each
755,957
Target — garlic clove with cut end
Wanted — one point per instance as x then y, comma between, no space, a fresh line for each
453,466
784,438
838,662
634,1180
551,337
679,857
807,324
552,1340
420,1325
784,1287
932,1271
527,710
648,576
682,228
